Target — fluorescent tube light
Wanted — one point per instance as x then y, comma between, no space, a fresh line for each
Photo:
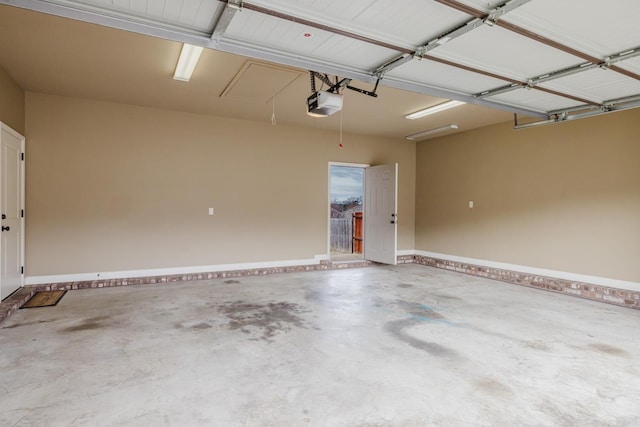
433,110
187,62
421,135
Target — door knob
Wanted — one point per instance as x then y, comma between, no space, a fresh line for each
5,228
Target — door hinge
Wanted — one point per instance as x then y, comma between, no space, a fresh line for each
22,156
21,213
22,270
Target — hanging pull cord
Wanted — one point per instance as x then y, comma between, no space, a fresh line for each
340,145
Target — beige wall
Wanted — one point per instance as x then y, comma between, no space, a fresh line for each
11,102
564,197
115,187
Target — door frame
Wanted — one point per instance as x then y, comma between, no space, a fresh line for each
21,174
351,165
24,212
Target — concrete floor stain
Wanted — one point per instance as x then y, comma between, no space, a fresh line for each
201,326
537,345
269,319
608,349
88,324
399,330
322,296
232,282
420,311
493,387
35,322
445,297
420,314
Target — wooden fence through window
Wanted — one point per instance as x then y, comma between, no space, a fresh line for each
346,234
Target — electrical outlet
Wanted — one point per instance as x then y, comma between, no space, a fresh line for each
210,211
470,204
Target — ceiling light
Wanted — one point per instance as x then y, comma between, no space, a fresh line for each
187,62
433,110
421,135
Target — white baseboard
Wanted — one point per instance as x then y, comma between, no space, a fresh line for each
108,275
594,280
405,252
131,274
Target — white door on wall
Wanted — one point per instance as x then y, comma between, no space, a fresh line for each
11,208
380,214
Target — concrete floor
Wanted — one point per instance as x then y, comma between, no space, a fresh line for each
381,346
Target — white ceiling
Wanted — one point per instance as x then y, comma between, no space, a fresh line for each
542,58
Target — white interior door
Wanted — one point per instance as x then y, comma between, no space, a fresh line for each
11,209
380,214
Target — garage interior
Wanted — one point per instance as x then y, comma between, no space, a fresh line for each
510,204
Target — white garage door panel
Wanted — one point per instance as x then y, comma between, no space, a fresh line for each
596,84
277,34
593,26
446,76
407,23
536,99
502,52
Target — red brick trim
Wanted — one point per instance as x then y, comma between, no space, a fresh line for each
621,297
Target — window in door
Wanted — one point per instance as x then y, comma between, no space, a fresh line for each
346,222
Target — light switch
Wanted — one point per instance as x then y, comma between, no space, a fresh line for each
470,204
210,211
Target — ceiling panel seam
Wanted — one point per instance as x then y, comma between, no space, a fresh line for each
606,106
474,23
575,98
464,8
473,69
515,84
534,36
534,82
564,115
451,34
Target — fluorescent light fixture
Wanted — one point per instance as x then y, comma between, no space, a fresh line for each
187,62
426,133
433,110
